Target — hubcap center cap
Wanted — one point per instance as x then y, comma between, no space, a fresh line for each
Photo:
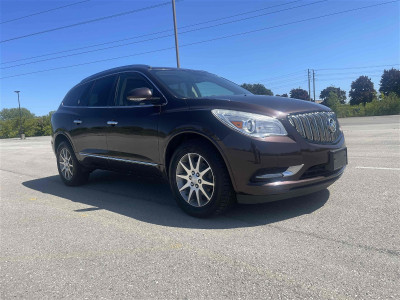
195,180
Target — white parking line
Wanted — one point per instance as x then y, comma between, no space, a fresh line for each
379,168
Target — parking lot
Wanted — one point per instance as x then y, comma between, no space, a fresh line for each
123,236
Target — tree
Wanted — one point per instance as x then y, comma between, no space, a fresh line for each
326,92
257,89
285,95
390,82
332,100
299,94
33,126
362,91
9,128
12,113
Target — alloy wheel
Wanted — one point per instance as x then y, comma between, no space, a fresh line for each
66,165
195,179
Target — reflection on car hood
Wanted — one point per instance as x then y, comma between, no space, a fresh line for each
270,105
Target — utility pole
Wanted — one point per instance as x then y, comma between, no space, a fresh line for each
20,117
313,80
309,88
176,35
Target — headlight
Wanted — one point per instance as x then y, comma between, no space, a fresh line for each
250,124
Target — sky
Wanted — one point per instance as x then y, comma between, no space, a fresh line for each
268,42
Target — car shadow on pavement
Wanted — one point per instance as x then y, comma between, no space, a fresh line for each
149,199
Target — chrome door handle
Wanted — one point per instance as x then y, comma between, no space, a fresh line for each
77,122
113,123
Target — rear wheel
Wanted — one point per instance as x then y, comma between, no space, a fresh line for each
70,170
200,181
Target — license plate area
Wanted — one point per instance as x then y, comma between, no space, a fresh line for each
337,159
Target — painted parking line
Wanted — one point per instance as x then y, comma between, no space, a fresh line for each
379,168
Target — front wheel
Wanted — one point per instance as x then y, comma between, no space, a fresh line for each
70,170
200,181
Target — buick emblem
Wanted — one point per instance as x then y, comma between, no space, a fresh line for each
331,125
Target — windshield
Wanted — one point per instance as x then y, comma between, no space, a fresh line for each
197,84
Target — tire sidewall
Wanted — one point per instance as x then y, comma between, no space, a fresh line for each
214,162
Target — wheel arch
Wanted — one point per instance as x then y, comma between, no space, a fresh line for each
60,137
182,137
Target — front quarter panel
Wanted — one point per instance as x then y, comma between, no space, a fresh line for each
184,120
245,156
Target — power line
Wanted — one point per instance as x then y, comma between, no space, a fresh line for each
150,34
168,35
284,82
288,83
348,77
325,76
91,62
89,21
293,77
293,84
89,51
280,76
285,79
209,40
365,73
349,73
365,67
44,11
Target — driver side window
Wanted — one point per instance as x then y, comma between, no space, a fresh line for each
128,82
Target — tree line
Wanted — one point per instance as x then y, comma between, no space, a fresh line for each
31,125
362,92
362,89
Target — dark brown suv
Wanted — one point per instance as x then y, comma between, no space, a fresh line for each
214,141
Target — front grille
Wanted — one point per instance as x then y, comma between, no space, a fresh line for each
317,127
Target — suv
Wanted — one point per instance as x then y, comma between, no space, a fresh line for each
214,141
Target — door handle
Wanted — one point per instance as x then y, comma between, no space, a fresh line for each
77,122
113,123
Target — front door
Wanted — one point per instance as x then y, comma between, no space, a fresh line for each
133,138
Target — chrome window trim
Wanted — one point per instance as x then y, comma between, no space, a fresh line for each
119,159
130,106
118,73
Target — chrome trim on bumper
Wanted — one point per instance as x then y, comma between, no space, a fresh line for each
289,172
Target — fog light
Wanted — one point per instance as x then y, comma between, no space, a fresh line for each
292,170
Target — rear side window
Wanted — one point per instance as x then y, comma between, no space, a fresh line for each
103,91
78,96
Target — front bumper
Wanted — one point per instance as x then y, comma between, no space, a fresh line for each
249,158
289,189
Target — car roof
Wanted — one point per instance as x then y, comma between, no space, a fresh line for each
142,68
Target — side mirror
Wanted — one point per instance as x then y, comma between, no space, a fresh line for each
139,94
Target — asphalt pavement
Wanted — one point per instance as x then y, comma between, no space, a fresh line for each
123,236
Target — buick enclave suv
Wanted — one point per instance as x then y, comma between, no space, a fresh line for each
214,141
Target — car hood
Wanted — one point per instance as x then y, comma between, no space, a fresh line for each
269,105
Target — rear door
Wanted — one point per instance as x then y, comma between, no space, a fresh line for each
91,123
133,139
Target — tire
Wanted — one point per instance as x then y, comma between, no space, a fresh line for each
200,198
72,173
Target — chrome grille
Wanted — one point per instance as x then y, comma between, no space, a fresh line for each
317,127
